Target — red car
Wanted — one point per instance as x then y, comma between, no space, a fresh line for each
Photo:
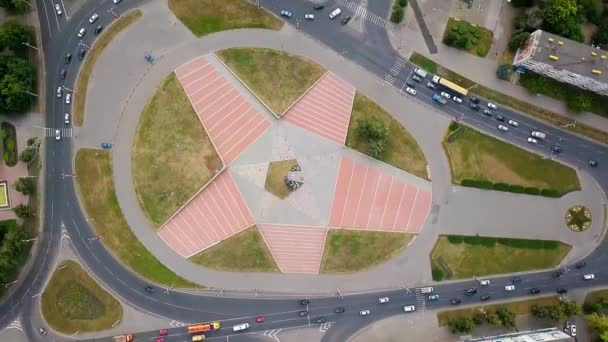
159,339
163,332
260,319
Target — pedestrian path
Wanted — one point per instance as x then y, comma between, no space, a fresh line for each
362,12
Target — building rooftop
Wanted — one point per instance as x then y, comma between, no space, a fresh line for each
541,335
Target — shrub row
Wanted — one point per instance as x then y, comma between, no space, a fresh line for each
9,144
492,241
398,11
518,189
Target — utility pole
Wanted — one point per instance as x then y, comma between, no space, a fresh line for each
30,46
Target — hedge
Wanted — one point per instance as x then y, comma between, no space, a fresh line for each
9,138
518,189
477,240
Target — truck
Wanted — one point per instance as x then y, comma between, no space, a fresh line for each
124,338
203,327
439,98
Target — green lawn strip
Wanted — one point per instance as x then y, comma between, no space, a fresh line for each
352,250
203,17
277,77
518,105
96,190
595,296
73,302
3,195
172,155
275,178
402,150
82,82
523,307
468,256
474,155
243,252
465,29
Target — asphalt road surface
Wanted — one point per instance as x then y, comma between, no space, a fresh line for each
64,219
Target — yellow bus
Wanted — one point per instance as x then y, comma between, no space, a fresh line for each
453,86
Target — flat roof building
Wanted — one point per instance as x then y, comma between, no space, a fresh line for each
540,335
565,60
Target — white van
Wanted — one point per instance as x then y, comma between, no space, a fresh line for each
240,327
426,290
409,308
538,134
420,72
335,13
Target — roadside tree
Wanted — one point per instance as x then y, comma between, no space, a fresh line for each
13,34
25,186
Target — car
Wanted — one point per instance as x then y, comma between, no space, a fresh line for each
532,140
260,319
567,326
58,9
42,331
538,134
163,332
383,300
82,53
431,85
345,20
409,308
457,99
557,274
149,288
62,74
513,123
516,280
557,149
410,84
68,58
592,163
82,32
580,264
286,14
116,1
93,18
561,290
410,90
160,339
573,330
321,320
500,118
484,282
339,309
491,105
57,135
238,327
589,276
503,128
433,297
98,29
363,312
106,145
336,12
487,112
305,301
417,78
303,313
509,287
446,95
68,98
474,99
66,118
59,91
455,301
474,106
318,6
470,291
309,16
484,298
535,290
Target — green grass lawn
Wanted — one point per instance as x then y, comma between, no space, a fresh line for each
595,296
97,194
172,155
277,77
523,307
473,155
353,251
479,38
203,17
243,252
275,177
402,150
479,256
3,195
518,105
82,82
73,302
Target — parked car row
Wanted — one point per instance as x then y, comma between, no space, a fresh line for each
336,12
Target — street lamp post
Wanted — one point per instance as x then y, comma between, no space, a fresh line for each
30,46
29,240
572,124
29,93
9,284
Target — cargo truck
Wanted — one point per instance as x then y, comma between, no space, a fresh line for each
124,338
203,327
439,99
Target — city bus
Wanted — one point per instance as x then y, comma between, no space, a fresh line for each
451,85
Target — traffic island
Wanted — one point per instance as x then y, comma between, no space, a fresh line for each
283,178
73,302
578,218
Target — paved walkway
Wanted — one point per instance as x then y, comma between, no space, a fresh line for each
117,105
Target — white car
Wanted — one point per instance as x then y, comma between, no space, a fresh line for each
286,13
363,312
409,308
446,95
457,99
590,276
57,134
573,330
410,90
383,300
58,9
309,16
335,13
238,327
510,288
82,32
431,85
491,105
68,98
503,128
513,123
116,1
66,118
93,18
484,282
532,140
59,91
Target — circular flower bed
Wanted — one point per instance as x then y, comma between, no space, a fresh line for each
578,218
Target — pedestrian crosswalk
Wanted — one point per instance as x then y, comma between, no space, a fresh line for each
395,69
420,301
362,12
65,132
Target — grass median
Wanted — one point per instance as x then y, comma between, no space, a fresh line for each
203,17
243,252
84,76
277,77
401,150
457,257
353,251
73,302
172,155
97,194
